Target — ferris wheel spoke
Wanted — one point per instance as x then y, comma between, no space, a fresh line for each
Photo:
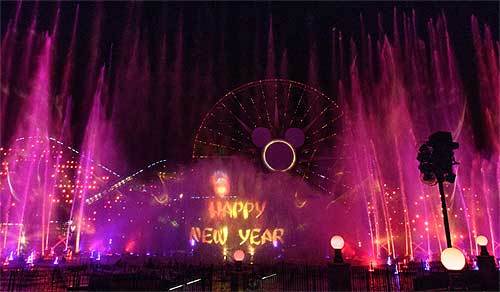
237,119
276,113
223,126
301,120
243,108
265,104
297,108
325,125
256,109
300,173
218,133
216,145
212,156
317,174
287,100
315,119
320,158
276,116
321,187
321,128
306,112
312,144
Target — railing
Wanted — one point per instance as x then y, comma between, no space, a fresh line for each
183,277
32,280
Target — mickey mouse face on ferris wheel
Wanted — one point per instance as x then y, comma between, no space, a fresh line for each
278,154
284,125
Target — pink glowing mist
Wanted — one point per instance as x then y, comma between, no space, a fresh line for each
396,93
394,88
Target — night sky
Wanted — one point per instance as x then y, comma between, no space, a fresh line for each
224,45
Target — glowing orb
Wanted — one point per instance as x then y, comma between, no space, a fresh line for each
337,242
481,240
453,259
239,255
278,155
221,190
220,183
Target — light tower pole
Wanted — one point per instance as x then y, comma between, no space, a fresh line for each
445,213
436,162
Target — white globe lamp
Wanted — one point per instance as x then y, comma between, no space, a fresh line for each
337,243
453,259
239,255
482,241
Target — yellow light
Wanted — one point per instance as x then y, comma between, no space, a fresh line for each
481,240
239,255
453,259
337,242
221,190
220,183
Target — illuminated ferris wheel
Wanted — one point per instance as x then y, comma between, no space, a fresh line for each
283,125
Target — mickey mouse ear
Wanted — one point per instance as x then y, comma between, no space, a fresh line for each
261,136
295,136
